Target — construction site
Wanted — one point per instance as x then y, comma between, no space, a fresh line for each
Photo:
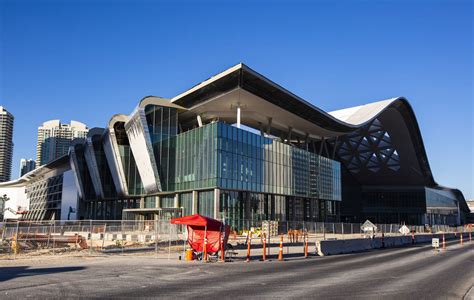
296,239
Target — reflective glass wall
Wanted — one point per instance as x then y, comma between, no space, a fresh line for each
135,186
186,202
163,127
104,171
196,158
223,156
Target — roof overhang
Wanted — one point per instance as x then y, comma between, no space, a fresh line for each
60,164
260,100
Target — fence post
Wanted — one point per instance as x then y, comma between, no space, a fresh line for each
169,242
52,236
15,248
103,236
342,229
90,239
324,232
156,237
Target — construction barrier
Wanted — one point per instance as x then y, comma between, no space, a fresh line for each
280,252
331,247
205,258
248,246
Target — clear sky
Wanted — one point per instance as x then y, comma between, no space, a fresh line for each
87,60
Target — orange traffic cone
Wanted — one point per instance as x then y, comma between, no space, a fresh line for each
280,253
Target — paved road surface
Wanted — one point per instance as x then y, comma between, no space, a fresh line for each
403,273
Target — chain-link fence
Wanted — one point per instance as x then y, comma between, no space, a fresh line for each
92,236
87,237
338,228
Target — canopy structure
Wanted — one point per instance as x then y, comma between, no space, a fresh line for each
198,220
201,227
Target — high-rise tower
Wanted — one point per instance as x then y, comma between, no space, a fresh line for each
26,165
6,144
54,139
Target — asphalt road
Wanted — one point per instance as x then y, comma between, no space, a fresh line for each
416,272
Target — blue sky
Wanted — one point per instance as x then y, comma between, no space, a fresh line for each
87,60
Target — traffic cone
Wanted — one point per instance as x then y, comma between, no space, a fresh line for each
280,253
222,249
248,246
264,256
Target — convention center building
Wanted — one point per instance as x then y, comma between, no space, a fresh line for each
239,147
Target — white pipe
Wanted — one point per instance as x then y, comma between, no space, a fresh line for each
238,116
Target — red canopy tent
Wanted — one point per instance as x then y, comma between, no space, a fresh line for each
199,227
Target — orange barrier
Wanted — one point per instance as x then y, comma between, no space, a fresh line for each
280,253
189,255
294,234
249,238
222,249
264,242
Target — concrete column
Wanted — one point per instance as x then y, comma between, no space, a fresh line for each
269,125
290,130
195,202
199,120
176,200
216,203
142,202
238,116
157,201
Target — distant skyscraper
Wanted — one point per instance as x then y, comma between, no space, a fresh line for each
54,139
26,165
6,144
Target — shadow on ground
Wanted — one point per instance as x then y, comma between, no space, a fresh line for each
7,273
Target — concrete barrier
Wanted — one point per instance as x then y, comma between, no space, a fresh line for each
343,246
332,247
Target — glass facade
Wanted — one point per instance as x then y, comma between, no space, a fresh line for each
441,207
104,171
258,178
134,183
206,203
226,157
163,127
45,198
167,201
186,202
196,158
